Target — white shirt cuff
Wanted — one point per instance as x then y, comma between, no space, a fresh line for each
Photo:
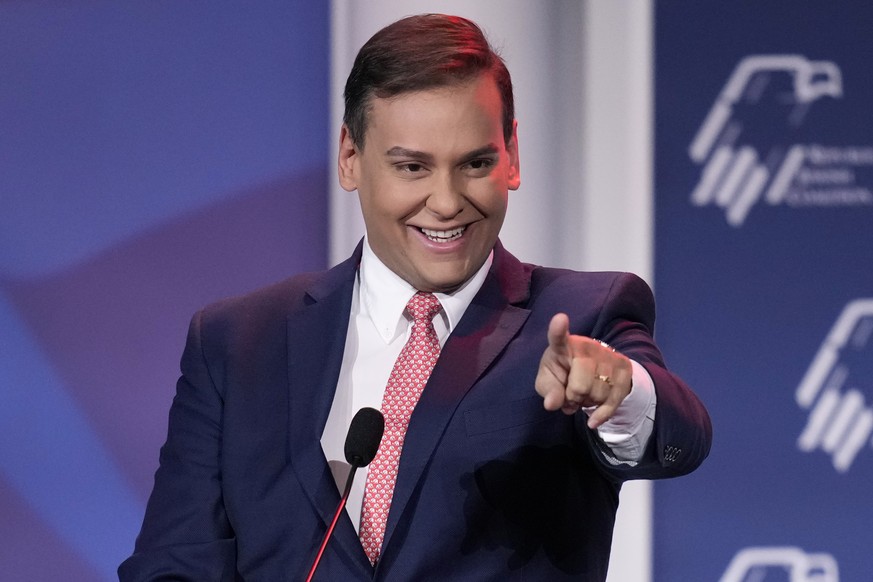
627,433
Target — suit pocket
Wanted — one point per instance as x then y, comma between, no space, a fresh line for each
505,415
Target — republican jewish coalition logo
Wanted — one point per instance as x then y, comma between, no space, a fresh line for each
746,150
834,387
763,564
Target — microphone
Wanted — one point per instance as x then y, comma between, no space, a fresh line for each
365,434
362,442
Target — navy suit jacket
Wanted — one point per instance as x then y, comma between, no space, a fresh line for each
491,486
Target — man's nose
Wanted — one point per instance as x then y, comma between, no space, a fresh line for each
446,199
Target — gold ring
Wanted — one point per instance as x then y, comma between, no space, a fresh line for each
603,378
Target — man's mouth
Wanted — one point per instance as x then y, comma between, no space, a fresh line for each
443,236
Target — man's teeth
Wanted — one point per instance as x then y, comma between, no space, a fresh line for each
443,235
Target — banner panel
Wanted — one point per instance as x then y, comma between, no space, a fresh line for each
155,157
764,279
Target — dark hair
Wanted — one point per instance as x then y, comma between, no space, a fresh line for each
417,53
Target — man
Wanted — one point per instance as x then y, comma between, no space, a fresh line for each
507,463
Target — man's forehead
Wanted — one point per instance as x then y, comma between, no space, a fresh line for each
469,92
435,90
405,110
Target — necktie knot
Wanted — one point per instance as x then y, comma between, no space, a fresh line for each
423,307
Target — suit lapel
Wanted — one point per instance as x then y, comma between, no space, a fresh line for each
316,338
490,322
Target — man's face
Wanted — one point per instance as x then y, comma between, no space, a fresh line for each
433,178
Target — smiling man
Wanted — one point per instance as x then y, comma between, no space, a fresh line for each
433,180
508,427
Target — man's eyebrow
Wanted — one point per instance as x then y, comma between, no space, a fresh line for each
401,152
488,150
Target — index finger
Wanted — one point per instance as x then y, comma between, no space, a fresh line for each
559,329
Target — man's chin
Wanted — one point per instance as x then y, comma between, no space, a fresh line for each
443,274
441,282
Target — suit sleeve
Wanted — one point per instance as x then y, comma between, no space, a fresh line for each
186,534
682,433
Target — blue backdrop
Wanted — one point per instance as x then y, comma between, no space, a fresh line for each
158,155
155,156
764,279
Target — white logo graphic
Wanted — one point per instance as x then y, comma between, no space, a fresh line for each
736,175
840,422
759,564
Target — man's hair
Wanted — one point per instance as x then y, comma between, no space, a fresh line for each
418,53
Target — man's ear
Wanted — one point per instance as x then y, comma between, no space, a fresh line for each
346,161
514,164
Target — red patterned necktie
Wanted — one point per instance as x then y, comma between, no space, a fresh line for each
405,384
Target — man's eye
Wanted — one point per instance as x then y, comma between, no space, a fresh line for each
481,164
410,167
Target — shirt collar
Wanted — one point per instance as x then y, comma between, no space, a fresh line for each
384,295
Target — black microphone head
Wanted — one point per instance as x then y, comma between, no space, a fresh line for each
364,436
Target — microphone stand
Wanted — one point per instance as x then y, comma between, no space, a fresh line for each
329,532
362,444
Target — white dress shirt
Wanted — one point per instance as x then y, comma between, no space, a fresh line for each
378,330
